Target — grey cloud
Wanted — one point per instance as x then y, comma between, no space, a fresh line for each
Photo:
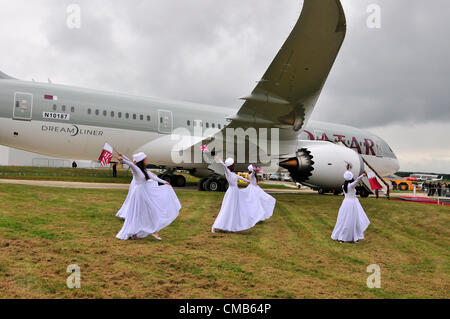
393,74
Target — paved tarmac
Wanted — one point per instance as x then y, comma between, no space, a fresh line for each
81,185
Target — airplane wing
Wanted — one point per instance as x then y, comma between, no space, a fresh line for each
5,76
287,93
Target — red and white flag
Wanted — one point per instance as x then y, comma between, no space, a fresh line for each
107,155
50,97
374,184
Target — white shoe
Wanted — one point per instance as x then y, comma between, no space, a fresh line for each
213,230
157,237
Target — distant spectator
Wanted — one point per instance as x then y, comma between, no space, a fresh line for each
429,188
433,189
394,186
74,164
114,168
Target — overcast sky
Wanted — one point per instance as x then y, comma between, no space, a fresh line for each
393,81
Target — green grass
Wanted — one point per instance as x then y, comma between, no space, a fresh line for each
64,174
73,175
44,230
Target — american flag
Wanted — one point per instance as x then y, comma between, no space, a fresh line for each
106,155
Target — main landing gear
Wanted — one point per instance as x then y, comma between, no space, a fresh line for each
213,183
173,179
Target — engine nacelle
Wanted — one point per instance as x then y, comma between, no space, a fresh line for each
323,164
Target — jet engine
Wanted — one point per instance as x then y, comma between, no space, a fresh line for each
323,164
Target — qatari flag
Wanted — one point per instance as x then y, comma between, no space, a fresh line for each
50,97
106,155
374,184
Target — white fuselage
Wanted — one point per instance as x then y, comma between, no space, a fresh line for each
69,122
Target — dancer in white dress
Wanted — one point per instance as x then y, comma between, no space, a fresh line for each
153,181
236,213
352,221
262,203
149,208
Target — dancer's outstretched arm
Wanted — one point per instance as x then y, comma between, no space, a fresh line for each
219,161
156,178
136,170
357,180
243,179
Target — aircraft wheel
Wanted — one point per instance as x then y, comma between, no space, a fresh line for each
403,187
167,178
201,184
321,191
363,193
223,185
213,185
179,180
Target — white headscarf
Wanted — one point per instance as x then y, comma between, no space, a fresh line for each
250,168
139,157
229,162
348,176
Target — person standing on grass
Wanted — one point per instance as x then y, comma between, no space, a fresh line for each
149,208
261,202
352,221
237,212
153,181
114,169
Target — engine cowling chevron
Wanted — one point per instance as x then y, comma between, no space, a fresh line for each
322,164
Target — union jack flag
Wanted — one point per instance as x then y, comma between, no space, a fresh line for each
205,148
106,155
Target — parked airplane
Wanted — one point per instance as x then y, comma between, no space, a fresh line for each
71,122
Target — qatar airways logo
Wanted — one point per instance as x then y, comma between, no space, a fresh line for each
367,149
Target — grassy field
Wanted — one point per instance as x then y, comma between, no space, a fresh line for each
43,230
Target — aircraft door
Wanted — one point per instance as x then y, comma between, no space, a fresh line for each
23,106
165,122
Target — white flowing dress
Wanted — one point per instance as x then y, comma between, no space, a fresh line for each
352,221
153,181
236,213
262,203
149,208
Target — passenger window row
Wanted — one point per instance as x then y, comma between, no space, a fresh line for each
207,124
105,113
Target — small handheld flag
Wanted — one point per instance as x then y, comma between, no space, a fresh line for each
106,155
374,184
257,169
205,148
